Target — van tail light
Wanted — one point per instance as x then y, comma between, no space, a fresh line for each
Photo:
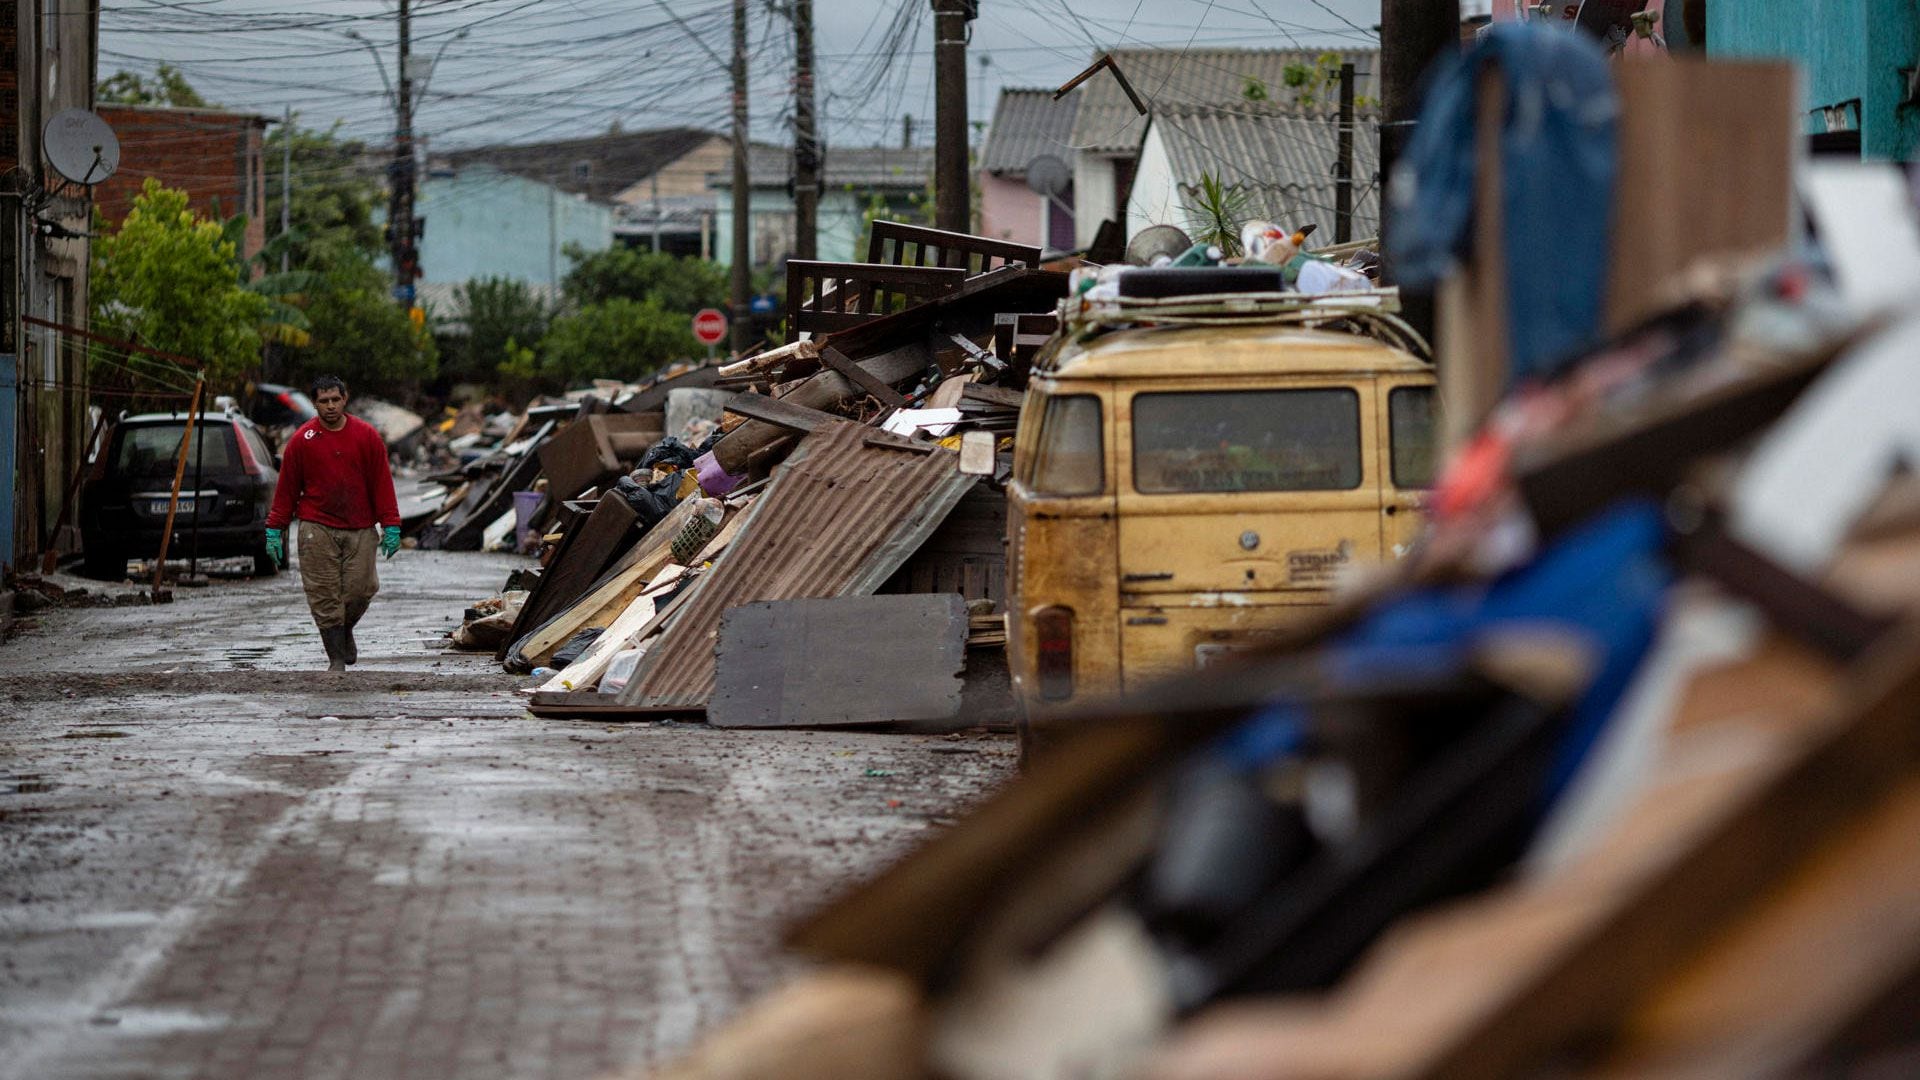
248,460
1053,641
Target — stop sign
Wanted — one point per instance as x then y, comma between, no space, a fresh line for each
710,325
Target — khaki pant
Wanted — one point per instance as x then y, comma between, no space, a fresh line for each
337,568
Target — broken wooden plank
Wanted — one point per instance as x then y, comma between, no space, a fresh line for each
847,660
780,413
864,379
612,592
589,705
583,554
992,395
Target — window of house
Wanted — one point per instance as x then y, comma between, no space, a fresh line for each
1240,440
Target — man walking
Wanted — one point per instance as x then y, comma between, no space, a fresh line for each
334,478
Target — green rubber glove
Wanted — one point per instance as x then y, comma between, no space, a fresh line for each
277,546
390,540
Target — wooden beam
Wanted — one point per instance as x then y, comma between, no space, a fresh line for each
861,377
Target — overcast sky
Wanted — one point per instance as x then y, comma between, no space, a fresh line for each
518,70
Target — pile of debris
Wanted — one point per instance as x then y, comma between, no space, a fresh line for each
713,543
1617,775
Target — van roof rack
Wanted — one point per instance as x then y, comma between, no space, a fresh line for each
1372,312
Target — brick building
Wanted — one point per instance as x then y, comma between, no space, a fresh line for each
47,58
215,156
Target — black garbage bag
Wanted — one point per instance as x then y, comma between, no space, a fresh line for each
668,451
575,645
650,502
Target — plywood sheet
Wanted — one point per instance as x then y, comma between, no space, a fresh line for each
845,660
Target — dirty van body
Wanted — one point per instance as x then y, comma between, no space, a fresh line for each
1183,492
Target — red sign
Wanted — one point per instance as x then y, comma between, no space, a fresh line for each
710,325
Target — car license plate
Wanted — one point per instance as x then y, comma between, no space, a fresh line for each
158,508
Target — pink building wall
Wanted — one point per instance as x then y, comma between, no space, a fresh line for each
1009,210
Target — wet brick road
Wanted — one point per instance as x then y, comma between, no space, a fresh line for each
218,862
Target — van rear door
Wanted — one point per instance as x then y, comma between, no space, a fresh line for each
1267,488
1409,414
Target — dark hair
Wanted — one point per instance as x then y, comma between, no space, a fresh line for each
329,382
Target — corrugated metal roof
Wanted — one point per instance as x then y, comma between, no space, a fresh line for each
1284,160
1026,124
1107,122
838,520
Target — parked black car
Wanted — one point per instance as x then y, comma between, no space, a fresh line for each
276,406
123,507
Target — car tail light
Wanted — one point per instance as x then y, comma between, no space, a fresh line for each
252,464
1053,644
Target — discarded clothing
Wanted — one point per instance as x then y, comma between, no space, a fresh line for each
1559,159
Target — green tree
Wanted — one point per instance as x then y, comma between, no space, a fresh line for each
620,338
334,199
166,87
500,313
621,272
359,333
165,278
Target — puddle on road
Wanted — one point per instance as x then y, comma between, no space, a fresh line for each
247,658
97,735
26,784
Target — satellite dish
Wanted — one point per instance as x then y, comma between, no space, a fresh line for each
1154,241
81,146
1049,176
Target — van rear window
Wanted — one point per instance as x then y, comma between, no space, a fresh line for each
1247,440
153,449
1069,456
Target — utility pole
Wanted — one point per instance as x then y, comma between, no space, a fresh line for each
406,259
1343,167
806,138
741,282
1413,34
286,182
951,189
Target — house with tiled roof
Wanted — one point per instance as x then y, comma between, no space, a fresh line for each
853,179
1109,129
1026,171
1283,162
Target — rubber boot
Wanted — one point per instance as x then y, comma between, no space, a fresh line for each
334,638
348,650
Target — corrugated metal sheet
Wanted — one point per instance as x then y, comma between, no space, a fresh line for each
1026,124
838,520
1107,123
1283,159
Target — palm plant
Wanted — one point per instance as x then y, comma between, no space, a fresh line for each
1215,212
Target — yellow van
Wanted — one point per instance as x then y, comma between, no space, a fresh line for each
1179,492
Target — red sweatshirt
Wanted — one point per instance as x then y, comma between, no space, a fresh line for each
336,478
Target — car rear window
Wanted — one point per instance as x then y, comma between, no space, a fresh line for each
1410,420
1247,440
150,450
1069,455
